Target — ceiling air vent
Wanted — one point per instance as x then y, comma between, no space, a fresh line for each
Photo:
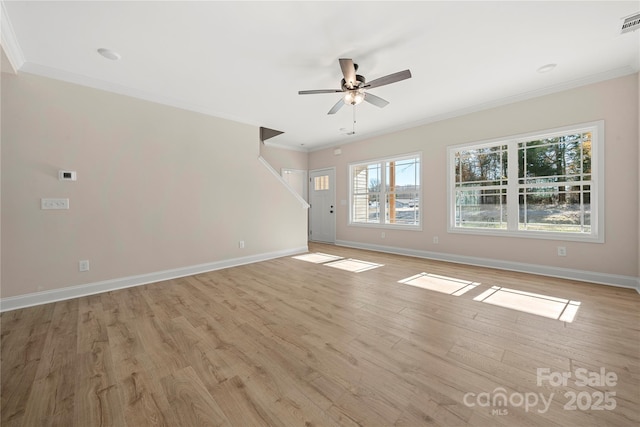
631,23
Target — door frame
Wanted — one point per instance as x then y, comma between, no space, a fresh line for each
332,169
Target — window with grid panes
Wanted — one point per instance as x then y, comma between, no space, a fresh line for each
386,192
546,185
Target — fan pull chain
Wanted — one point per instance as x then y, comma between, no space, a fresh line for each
353,132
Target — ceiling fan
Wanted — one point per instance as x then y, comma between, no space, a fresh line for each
354,86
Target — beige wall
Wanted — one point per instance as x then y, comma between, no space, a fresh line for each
280,158
615,101
158,188
162,188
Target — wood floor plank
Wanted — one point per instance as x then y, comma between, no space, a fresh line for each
34,319
52,396
92,328
97,398
21,354
144,402
287,342
240,408
190,400
155,337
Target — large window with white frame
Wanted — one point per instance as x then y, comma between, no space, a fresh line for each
548,184
386,192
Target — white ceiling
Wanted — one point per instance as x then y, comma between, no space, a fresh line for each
246,61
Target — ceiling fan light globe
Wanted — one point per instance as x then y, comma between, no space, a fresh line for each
354,97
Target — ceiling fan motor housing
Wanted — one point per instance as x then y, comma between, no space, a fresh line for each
360,81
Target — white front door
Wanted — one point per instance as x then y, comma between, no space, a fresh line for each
322,195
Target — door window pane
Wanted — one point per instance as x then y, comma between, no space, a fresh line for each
321,183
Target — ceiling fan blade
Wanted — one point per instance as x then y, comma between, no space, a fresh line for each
375,100
311,92
348,71
336,107
391,78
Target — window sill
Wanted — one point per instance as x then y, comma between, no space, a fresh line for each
548,235
386,226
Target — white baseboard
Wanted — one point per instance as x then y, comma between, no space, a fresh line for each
46,297
543,270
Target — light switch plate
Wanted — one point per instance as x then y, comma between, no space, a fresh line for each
54,203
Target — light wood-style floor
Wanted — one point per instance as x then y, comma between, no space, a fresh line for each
293,343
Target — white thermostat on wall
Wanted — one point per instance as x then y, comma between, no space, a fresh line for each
67,175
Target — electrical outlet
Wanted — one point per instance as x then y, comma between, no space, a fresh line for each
83,265
562,251
383,235
241,244
436,240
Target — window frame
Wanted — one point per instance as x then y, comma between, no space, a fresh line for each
383,193
512,193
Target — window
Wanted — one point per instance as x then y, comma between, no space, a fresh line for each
546,185
386,192
321,183
481,187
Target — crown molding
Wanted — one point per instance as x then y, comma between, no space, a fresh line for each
286,146
9,41
537,93
98,84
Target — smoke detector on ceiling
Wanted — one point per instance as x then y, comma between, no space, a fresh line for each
630,23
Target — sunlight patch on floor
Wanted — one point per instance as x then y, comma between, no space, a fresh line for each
353,265
434,282
542,305
317,257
